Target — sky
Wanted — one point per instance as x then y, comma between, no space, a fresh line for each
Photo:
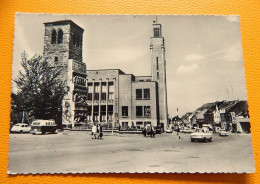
204,58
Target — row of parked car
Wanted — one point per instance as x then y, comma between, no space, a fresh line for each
37,127
200,134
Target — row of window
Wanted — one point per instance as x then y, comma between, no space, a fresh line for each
142,94
103,96
57,38
141,111
103,88
138,124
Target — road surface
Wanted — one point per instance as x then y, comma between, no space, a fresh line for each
75,152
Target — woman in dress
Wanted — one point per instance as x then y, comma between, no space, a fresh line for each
94,131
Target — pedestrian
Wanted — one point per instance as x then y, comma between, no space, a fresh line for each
144,131
94,131
152,131
99,130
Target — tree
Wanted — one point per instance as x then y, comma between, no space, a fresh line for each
40,90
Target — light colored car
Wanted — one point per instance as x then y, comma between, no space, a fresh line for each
20,128
187,130
223,133
201,135
169,130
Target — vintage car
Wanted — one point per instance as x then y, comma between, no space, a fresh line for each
20,128
201,135
223,133
43,126
168,130
187,130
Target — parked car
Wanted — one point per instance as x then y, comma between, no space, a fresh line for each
43,126
158,130
187,130
223,133
201,135
168,130
20,128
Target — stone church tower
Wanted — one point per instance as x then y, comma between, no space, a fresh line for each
63,50
158,70
62,41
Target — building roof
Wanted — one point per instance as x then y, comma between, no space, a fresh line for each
200,115
63,22
120,71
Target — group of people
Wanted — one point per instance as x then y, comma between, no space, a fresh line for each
97,132
149,130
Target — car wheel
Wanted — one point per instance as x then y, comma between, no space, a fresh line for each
21,131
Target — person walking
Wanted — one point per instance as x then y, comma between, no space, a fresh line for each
94,131
152,131
99,130
145,131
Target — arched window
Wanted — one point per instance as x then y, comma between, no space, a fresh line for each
60,36
53,37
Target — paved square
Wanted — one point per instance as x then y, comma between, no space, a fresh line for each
76,152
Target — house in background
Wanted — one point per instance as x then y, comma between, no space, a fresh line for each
231,116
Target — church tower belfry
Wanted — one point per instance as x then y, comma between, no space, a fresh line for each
63,50
158,70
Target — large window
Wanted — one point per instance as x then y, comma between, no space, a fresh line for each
143,111
139,111
97,88
146,93
142,94
96,96
139,94
89,96
124,110
103,96
103,92
147,111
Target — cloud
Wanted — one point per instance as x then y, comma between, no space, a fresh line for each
233,53
232,18
194,57
187,69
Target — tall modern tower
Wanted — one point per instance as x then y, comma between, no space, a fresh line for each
158,70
